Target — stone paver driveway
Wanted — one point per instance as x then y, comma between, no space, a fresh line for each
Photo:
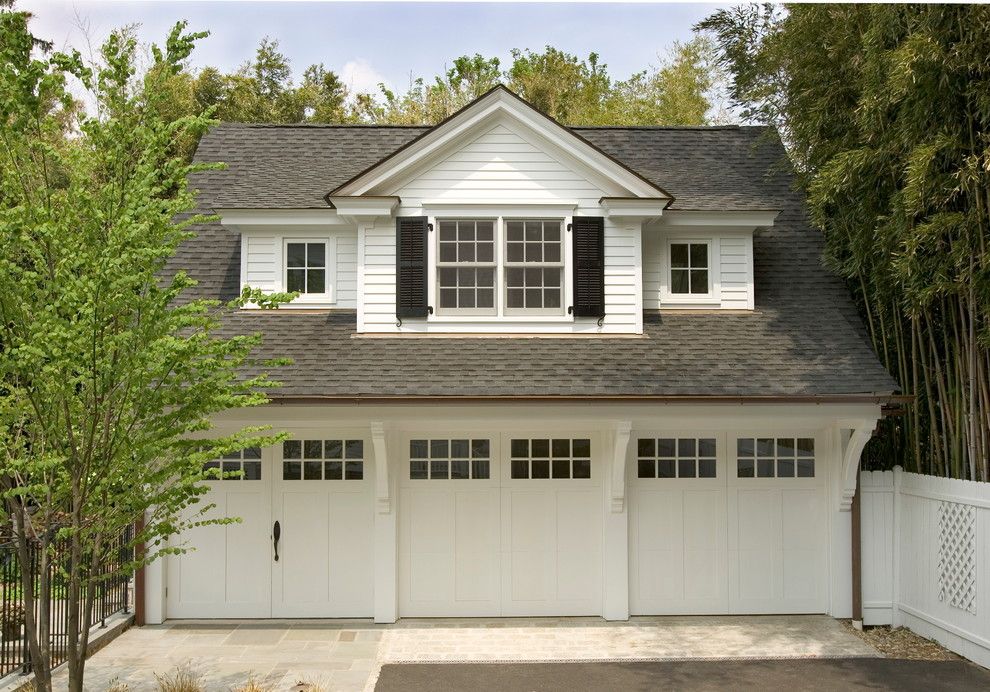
347,655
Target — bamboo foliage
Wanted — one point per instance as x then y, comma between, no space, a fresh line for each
886,110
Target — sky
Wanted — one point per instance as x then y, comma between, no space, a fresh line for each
367,43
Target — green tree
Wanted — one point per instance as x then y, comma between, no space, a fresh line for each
886,113
106,373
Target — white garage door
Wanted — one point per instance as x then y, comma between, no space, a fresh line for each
317,490
727,524
500,525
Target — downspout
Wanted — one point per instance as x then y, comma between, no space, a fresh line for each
857,560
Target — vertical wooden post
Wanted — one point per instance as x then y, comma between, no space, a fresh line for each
139,578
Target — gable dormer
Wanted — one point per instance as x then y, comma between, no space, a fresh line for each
506,222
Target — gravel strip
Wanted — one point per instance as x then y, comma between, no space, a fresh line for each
902,643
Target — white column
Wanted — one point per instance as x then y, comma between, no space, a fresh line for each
154,592
616,525
386,564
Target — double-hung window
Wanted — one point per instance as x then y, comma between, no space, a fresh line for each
466,266
534,267
503,266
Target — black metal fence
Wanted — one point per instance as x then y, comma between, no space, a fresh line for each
112,596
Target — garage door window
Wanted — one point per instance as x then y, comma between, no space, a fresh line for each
457,459
551,458
241,465
330,460
682,457
775,457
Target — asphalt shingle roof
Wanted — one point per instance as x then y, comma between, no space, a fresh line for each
804,338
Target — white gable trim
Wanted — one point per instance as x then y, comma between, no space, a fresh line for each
499,105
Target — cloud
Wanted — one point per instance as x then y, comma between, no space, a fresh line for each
360,76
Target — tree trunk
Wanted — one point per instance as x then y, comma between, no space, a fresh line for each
36,625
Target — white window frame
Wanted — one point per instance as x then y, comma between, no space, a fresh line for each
494,264
712,297
562,265
501,313
328,297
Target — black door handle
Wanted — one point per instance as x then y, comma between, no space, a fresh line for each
276,533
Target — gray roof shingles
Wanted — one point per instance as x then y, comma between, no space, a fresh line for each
803,339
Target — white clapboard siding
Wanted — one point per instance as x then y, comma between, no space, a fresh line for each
262,265
652,263
734,267
929,539
346,290
735,272
501,166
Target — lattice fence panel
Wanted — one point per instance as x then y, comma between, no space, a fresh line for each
957,555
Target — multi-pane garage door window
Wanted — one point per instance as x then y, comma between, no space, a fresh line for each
545,458
780,457
242,465
683,457
330,460
449,459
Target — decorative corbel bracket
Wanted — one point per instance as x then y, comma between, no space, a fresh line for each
383,495
860,432
620,444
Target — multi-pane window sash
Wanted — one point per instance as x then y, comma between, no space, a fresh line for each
306,267
775,457
314,460
244,464
466,266
689,267
668,457
546,458
534,266
457,459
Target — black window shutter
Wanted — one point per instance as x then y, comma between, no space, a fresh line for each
588,240
411,268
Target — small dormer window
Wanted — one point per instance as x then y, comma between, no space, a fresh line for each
690,263
306,267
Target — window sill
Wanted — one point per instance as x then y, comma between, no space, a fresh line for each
689,300
495,319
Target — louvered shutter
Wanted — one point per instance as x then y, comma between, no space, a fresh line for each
411,270
588,242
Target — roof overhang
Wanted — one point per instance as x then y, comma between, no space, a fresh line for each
498,103
748,218
634,208
364,208
247,219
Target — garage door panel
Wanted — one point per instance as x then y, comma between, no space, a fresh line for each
660,520
477,546
351,548
246,548
802,575
226,569
304,548
430,522
578,544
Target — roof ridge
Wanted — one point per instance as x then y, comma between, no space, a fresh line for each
286,126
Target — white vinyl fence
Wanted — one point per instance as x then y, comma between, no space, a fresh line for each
926,558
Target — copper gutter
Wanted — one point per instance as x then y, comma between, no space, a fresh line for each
883,399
